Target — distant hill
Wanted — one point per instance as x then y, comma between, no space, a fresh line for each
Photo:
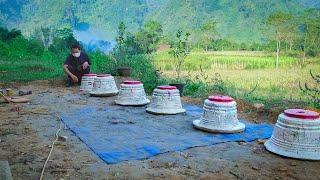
240,20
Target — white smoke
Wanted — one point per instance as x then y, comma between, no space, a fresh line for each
94,39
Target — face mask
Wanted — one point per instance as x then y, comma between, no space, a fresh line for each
76,54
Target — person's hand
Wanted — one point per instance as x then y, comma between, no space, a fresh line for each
85,65
74,78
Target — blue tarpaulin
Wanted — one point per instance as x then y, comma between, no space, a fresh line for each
118,133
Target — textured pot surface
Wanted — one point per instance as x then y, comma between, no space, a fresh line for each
104,85
132,94
219,116
87,82
296,134
165,100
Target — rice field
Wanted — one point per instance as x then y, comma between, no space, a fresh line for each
226,60
243,71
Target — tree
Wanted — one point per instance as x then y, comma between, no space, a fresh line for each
179,51
280,22
126,46
309,30
149,36
208,34
120,39
46,36
62,40
6,35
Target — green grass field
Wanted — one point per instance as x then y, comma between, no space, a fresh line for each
44,67
227,60
242,71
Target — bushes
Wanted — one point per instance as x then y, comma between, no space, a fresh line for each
102,63
204,87
26,60
144,70
6,35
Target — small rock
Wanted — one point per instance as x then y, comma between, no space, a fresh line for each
282,169
185,155
259,107
293,163
23,92
255,168
261,141
242,143
62,138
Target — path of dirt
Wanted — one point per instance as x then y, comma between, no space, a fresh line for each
27,135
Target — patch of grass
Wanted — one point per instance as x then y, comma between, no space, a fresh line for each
273,85
225,61
144,70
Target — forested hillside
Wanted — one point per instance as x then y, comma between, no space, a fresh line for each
240,21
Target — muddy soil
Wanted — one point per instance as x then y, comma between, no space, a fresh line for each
26,136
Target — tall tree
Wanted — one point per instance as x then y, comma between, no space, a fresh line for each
208,33
149,36
280,22
310,31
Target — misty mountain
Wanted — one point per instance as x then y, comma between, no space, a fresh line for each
240,21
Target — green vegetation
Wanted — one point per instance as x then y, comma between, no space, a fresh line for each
179,51
226,60
313,91
135,51
256,50
25,60
247,75
237,21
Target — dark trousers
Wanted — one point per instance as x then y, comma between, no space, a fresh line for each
78,73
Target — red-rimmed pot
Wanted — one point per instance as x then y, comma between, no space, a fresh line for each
296,134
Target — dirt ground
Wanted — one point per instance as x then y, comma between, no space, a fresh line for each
26,136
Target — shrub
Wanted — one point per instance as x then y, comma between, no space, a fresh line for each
144,70
204,87
313,92
102,63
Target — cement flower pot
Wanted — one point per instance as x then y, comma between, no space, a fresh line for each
296,134
219,116
104,85
132,94
165,100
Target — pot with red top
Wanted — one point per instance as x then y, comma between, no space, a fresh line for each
165,100
296,134
132,94
219,116
104,85
87,82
